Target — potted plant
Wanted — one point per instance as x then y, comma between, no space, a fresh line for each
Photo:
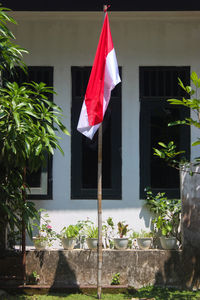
189,170
45,236
166,218
40,242
145,239
68,236
168,240
92,237
83,226
121,242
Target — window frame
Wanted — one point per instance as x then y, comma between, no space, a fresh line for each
45,191
146,105
77,191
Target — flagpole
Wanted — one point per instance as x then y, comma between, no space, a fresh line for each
104,72
99,249
99,186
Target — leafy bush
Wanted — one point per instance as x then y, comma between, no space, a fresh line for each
28,127
166,213
115,279
168,151
92,232
45,231
72,231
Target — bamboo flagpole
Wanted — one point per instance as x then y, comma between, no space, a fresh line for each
99,185
103,78
99,194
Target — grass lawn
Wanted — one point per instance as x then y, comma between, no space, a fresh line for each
152,293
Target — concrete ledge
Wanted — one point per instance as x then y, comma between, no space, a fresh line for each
44,289
78,268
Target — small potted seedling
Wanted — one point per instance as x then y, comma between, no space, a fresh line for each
122,241
68,236
145,239
92,237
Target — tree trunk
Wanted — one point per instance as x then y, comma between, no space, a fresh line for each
2,233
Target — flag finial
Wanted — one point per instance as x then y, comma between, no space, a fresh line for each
105,8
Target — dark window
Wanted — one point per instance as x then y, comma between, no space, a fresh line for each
157,84
40,182
84,151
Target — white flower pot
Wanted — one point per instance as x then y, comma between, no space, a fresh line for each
168,243
144,243
121,243
39,243
68,243
92,243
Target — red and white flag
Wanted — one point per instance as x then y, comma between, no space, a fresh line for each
103,78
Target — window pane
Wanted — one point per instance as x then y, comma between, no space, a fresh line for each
90,157
84,151
40,182
163,176
34,179
157,84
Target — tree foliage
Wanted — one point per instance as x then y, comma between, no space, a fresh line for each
10,53
166,213
28,133
168,151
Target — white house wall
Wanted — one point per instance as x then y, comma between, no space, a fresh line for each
65,39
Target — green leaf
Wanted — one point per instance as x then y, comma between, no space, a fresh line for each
27,146
196,143
17,119
2,115
159,153
177,123
175,101
181,83
188,89
50,130
194,76
51,149
28,112
162,144
38,149
66,131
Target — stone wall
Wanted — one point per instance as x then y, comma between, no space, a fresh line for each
137,268
190,195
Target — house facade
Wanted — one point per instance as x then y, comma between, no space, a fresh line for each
154,46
